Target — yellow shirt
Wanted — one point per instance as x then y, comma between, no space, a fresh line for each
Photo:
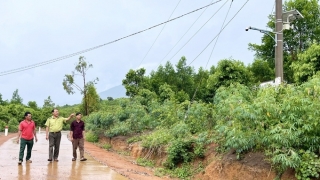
55,124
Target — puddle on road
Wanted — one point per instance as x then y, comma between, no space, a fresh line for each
40,168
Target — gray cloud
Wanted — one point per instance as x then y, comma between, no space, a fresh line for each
36,31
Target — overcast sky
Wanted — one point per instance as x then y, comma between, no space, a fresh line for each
35,31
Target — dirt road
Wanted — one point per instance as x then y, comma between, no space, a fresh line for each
40,168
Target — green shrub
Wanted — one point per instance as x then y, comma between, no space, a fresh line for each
145,162
179,151
134,139
121,128
156,139
13,125
2,126
309,166
91,137
106,146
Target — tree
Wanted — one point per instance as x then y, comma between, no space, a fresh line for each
308,64
166,92
229,72
163,75
184,77
135,80
16,99
91,100
48,103
2,102
69,82
261,71
298,39
33,104
200,81
110,98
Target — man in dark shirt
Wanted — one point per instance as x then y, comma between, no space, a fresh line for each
76,137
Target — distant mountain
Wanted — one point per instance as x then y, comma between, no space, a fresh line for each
115,92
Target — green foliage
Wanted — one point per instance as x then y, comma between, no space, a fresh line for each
106,146
91,137
91,100
16,98
179,151
183,172
48,103
229,72
69,85
309,166
13,125
33,105
306,31
156,139
165,92
261,71
2,126
135,80
134,139
308,64
121,128
145,162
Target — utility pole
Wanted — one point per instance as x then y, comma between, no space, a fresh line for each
279,39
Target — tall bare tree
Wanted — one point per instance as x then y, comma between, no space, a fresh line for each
69,82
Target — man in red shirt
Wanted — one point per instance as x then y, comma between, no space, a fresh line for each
27,131
76,136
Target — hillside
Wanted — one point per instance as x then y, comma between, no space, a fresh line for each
115,92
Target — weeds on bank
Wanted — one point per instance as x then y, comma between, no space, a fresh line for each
145,162
183,172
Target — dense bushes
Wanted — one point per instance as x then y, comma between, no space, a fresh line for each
281,121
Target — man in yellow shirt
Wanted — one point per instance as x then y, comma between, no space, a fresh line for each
54,126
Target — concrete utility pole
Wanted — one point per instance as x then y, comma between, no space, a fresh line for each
279,39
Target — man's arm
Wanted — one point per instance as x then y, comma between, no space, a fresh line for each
71,135
83,132
71,115
35,133
47,132
19,134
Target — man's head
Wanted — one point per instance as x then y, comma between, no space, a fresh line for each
78,115
55,112
27,115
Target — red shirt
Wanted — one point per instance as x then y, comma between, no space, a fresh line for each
27,128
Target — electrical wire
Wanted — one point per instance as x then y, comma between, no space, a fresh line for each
96,47
195,92
183,35
219,32
197,31
186,115
159,34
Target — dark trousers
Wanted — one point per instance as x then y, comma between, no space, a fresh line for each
54,144
78,143
23,144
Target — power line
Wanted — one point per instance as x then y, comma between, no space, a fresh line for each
159,34
197,31
183,35
219,32
186,115
199,84
96,47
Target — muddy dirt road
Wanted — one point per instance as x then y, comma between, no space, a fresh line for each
40,168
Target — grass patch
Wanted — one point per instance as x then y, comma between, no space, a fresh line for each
145,162
134,139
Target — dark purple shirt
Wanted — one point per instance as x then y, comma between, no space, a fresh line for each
77,128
